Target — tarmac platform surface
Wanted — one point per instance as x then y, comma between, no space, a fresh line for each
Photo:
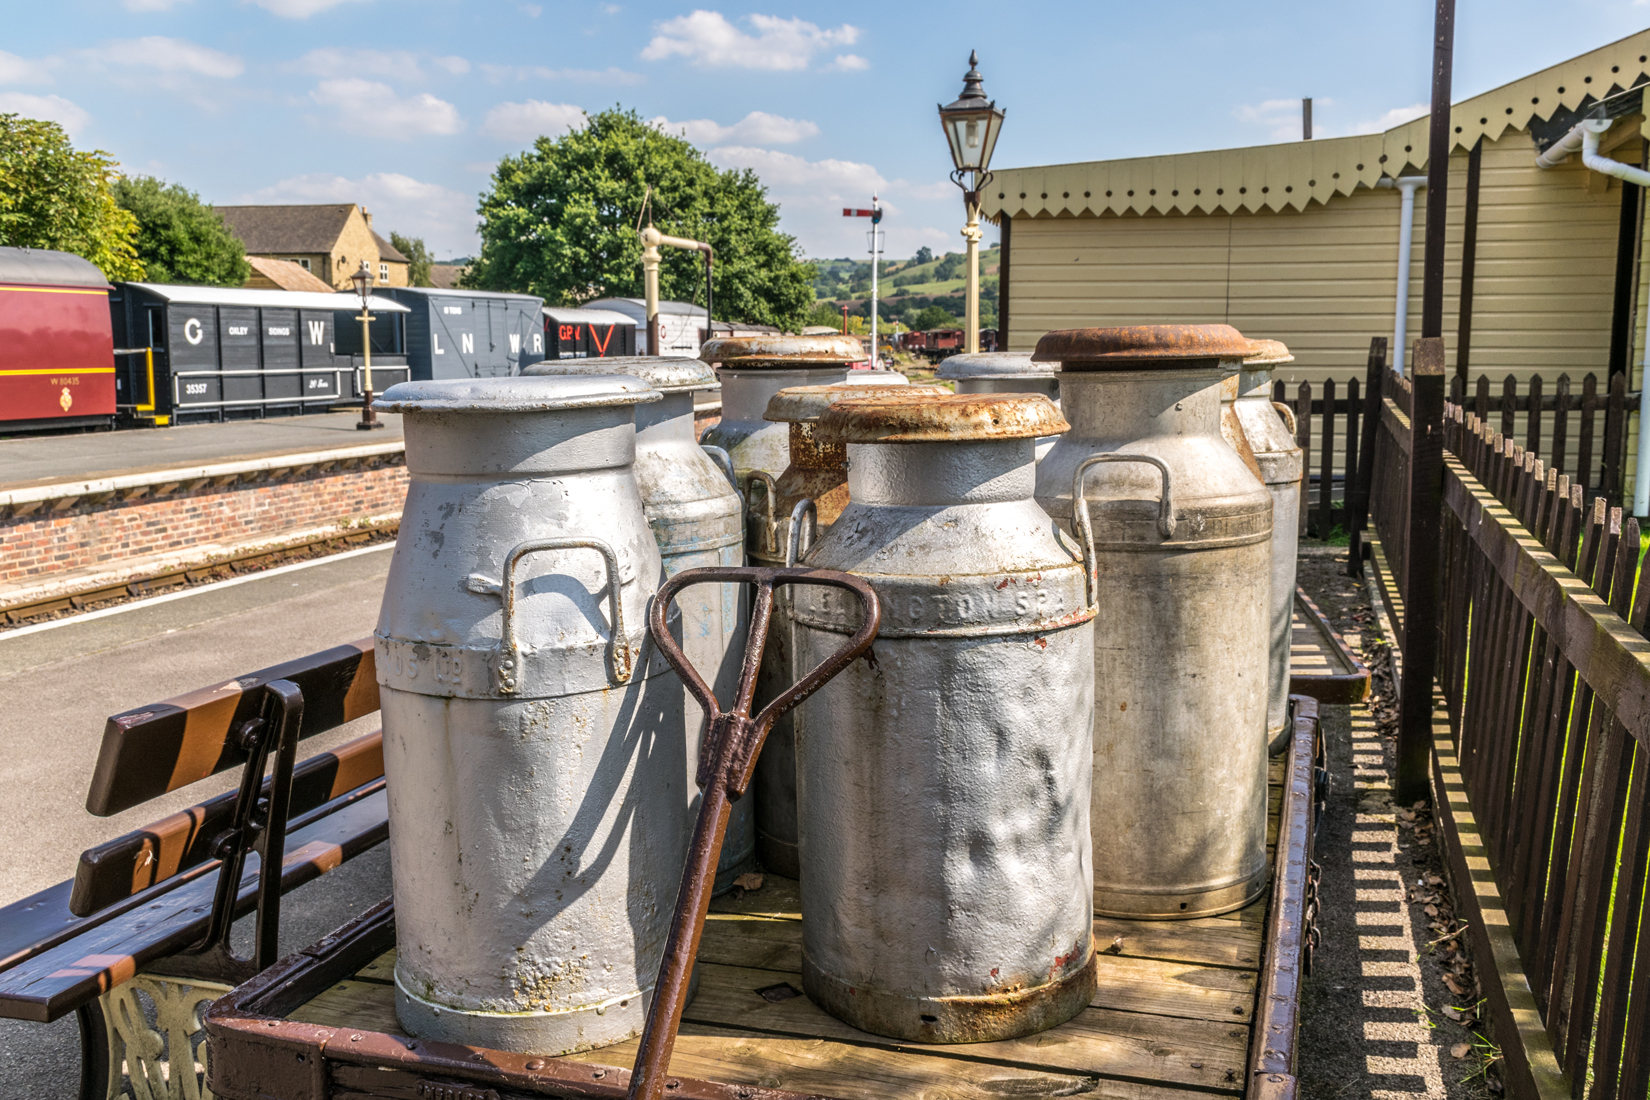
47,459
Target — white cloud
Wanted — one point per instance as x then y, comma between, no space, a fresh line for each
332,61
298,9
367,107
455,65
836,179
614,9
443,217
169,55
497,74
151,5
849,63
1395,117
526,121
758,128
23,70
708,39
1282,119
53,108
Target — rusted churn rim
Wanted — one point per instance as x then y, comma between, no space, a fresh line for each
780,350
510,395
801,404
1139,347
665,373
950,417
996,364
1268,353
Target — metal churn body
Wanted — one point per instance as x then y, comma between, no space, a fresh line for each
1256,428
1004,372
945,778
698,520
817,472
1182,543
533,740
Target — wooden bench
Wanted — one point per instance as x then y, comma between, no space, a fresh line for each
149,912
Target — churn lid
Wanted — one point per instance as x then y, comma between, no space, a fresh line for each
995,364
949,417
529,394
780,350
1139,347
799,404
665,373
1268,353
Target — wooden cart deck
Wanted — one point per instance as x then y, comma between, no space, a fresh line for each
1171,1017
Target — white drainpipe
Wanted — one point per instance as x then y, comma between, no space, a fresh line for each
1407,186
1586,135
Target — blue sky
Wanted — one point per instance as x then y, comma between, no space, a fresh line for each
406,105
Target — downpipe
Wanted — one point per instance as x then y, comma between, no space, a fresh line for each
1407,186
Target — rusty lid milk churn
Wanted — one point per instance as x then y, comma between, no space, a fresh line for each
944,778
817,473
1258,429
1004,372
698,519
533,742
1182,551
752,370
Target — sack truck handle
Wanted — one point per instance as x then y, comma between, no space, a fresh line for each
1085,525
727,761
620,659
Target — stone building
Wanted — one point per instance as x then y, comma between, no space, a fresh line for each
329,241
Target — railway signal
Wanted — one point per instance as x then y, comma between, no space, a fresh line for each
874,236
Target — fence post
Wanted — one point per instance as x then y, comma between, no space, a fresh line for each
1615,414
1532,423
1423,531
1357,497
1303,436
1326,461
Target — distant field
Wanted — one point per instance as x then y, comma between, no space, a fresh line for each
929,287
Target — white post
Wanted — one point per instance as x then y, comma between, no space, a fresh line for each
876,249
1406,230
971,307
651,238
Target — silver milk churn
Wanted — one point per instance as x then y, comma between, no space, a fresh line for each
944,779
698,520
1264,432
1182,558
1004,372
752,370
817,472
533,739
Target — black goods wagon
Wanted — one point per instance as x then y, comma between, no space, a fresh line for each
587,333
215,353
468,333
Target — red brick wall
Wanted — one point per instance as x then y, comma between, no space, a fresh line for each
42,543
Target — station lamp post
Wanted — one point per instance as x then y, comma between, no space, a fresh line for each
971,125
363,286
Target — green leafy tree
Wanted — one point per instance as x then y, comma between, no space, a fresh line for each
934,317
180,238
54,196
925,255
418,257
559,221
825,313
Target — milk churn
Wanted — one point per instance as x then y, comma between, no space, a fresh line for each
1265,431
1004,372
533,739
944,779
1182,554
697,519
752,370
818,473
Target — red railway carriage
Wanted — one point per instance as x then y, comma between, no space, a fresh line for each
57,366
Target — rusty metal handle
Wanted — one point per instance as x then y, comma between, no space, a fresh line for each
509,650
771,495
727,760
1085,525
793,546
1288,414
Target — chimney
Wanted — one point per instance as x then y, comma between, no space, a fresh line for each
1306,126
365,213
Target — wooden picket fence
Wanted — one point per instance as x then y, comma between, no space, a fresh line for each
1544,675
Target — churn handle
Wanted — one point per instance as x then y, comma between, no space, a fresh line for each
720,456
1085,525
794,548
770,496
509,653
1289,415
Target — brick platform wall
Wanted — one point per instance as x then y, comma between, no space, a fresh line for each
38,544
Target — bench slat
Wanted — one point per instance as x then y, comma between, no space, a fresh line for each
151,750
58,981
119,868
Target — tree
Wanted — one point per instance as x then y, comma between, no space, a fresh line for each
934,317
181,239
825,313
559,221
925,255
53,196
418,257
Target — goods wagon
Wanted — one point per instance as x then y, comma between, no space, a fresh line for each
57,367
466,333
571,333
